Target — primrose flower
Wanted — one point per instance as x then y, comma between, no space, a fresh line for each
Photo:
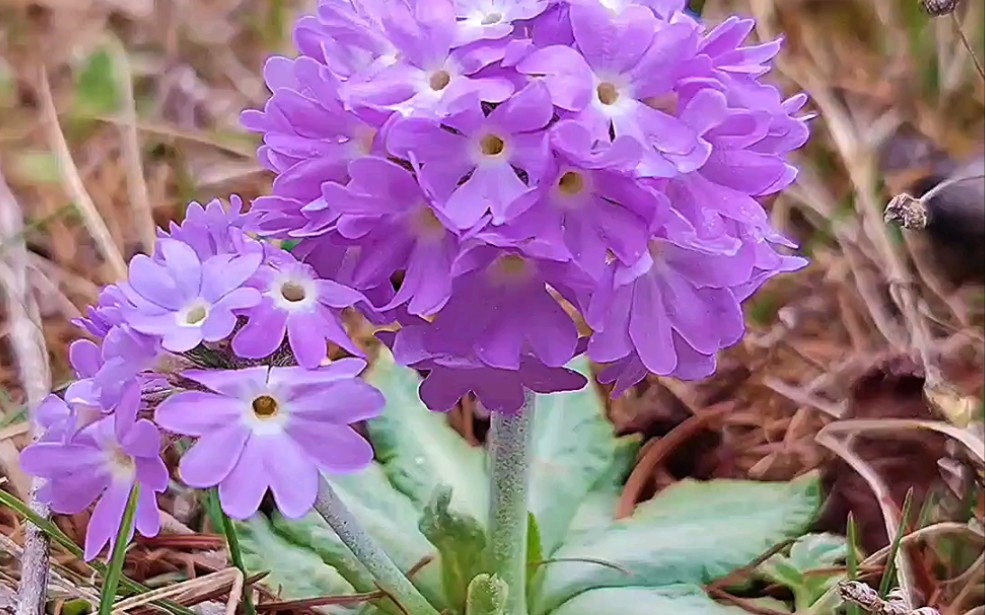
451,376
185,300
271,427
296,303
474,170
102,461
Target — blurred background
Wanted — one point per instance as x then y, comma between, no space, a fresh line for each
114,114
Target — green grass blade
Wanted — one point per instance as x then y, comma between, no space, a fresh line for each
58,536
236,554
887,576
115,571
851,561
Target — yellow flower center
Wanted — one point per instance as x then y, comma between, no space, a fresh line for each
571,183
439,80
491,145
293,292
196,315
265,407
607,93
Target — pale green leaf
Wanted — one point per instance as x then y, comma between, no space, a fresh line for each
460,540
573,445
295,572
419,450
690,533
389,517
676,600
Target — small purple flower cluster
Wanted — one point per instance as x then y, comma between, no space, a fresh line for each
500,156
480,172
178,343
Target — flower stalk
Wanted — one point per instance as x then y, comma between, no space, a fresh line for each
509,451
389,578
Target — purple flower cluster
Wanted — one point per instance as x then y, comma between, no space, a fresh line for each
192,343
513,182
481,169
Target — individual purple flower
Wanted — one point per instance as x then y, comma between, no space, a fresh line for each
613,83
184,300
451,376
670,313
212,229
105,315
388,214
102,461
275,428
298,303
309,137
590,204
501,309
493,19
429,77
347,36
474,170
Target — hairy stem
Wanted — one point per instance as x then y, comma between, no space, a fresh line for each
509,451
389,578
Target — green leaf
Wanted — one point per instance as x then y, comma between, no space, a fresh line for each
809,553
487,596
119,553
597,510
295,572
691,533
96,89
677,599
815,551
573,446
419,450
460,540
389,517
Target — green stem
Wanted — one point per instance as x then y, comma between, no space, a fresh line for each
389,578
509,450
236,554
115,570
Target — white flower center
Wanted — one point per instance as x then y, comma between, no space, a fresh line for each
120,464
293,293
194,314
492,18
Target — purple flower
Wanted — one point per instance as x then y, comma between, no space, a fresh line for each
275,428
212,229
590,204
386,212
295,302
102,461
429,77
473,170
613,83
493,19
452,376
347,36
309,137
184,300
484,317
105,314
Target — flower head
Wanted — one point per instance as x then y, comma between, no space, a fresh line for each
102,461
184,300
271,427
